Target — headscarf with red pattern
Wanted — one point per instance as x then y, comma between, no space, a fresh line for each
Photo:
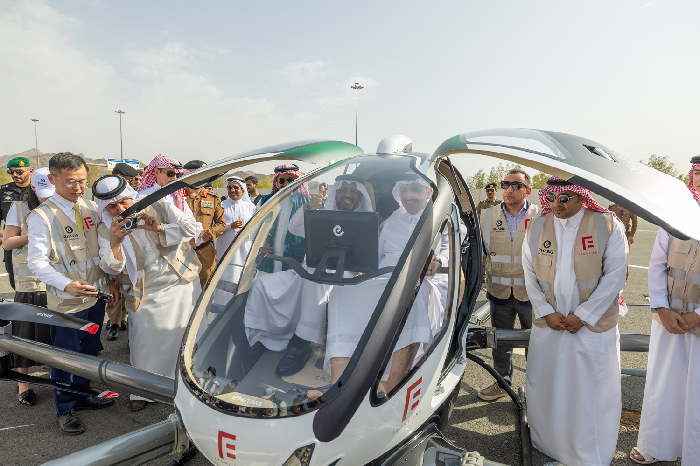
556,185
696,164
287,168
149,177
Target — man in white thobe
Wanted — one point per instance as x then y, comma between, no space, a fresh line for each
350,307
238,209
575,262
157,322
287,312
670,423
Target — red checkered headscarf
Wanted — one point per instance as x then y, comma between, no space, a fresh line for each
558,185
695,161
286,168
149,177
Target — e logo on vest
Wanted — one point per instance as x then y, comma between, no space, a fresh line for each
587,242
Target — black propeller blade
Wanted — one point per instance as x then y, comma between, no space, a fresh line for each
63,386
40,315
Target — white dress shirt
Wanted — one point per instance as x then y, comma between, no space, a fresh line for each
658,278
40,244
565,290
171,199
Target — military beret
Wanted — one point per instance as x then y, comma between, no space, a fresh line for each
490,186
194,165
18,162
124,169
694,160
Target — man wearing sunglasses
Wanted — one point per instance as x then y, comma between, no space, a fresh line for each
490,201
575,262
503,231
21,173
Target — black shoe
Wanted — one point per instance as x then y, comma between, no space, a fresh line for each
93,402
108,324
295,358
27,397
70,424
122,327
113,333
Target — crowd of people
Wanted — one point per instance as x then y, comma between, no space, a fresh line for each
61,249
559,268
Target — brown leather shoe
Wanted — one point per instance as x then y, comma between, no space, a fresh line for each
70,424
138,405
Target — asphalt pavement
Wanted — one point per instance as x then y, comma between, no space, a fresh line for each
29,436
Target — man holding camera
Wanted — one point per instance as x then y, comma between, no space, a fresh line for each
62,253
158,269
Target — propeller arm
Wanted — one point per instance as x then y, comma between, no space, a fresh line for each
117,377
40,315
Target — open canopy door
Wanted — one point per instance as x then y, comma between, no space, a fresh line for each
654,196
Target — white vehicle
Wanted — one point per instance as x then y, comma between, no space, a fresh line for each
355,417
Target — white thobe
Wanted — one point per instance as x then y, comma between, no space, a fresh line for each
228,283
350,308
670,423
171,199
574,396
156,329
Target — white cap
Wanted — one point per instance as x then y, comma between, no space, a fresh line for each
42,186
397,144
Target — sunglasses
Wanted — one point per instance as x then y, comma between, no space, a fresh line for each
285,180
171,173
516,185
15,172
490,190
563,198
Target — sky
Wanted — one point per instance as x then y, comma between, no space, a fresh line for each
206,80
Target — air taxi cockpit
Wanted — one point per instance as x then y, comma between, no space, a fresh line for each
288,311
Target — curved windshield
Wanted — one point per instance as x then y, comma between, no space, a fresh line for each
292,296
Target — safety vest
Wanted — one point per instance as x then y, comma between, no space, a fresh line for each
683,269
73,254
591,240
504,263
181,257
25,280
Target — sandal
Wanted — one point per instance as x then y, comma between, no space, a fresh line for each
648,459
27,397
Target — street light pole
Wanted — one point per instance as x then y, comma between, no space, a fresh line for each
36,144
357,87
121,145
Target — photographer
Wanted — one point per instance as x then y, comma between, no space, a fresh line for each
159,272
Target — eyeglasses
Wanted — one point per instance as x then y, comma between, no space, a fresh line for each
171,173
516,185
71,183
285,180
563,198
15,172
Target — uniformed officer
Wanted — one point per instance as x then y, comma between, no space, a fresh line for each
490,201
207,209
629,220
21,173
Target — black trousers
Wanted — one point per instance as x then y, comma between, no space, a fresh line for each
503,316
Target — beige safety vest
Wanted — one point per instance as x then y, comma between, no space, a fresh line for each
683,277
504,263
591,240
25,280
73,254
181,257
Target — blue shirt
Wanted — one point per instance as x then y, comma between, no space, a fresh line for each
514,221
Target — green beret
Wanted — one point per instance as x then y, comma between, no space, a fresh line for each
18,162
490,186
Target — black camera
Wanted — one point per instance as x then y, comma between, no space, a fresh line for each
104,296
131,223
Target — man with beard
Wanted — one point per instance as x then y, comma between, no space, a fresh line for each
21,173
287,312
670,423
503,230
346,326
251,184
575,260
